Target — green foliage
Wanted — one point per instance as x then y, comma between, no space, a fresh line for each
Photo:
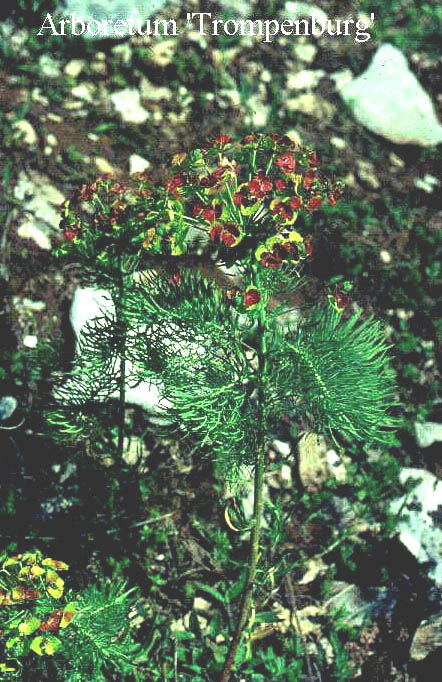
337,373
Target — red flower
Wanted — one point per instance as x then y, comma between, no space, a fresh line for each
314,203
295,203
259,185
238,198
252,297
308,178
283,210
280,184
175,278
269,260
72,231
211,213
198,208
221,139
230,234
87,191
286,162
173,183
332,200
52,622
342,299
313,159
226,233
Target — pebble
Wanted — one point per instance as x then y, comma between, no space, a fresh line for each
8,405
26,132
30,341
74,67
137,164
127,104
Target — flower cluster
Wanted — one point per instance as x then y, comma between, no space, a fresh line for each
26,580
240,198
239,194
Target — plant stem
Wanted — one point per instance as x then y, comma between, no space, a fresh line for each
258,502
122,381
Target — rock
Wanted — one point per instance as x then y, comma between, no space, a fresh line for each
104,166
420,519
306,52
30,341
313,467
304,80
311,104
40,201
137,164
127,104
154,93
427,184
401,111
89,304
8,405
427,638
85,92
48,66
427,433
162,52
134,451
359,604
26,132
74,67
259,110
298,10
114,9
338,142
367,174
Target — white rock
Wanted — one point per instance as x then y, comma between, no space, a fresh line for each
74,67
152,92
427,184
163,51
28,230
41,203
104,166
112,9
400,110
420,519
385,256
311,104
304,80
127,104
26,132
428,433
48,66
298,10
306,52
8,405
84,92
137,164
30,341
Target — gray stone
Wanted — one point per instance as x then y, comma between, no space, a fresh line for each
298,10
428,433
420,519
427,638
8,405
389,100
127,104
116,10
40,202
